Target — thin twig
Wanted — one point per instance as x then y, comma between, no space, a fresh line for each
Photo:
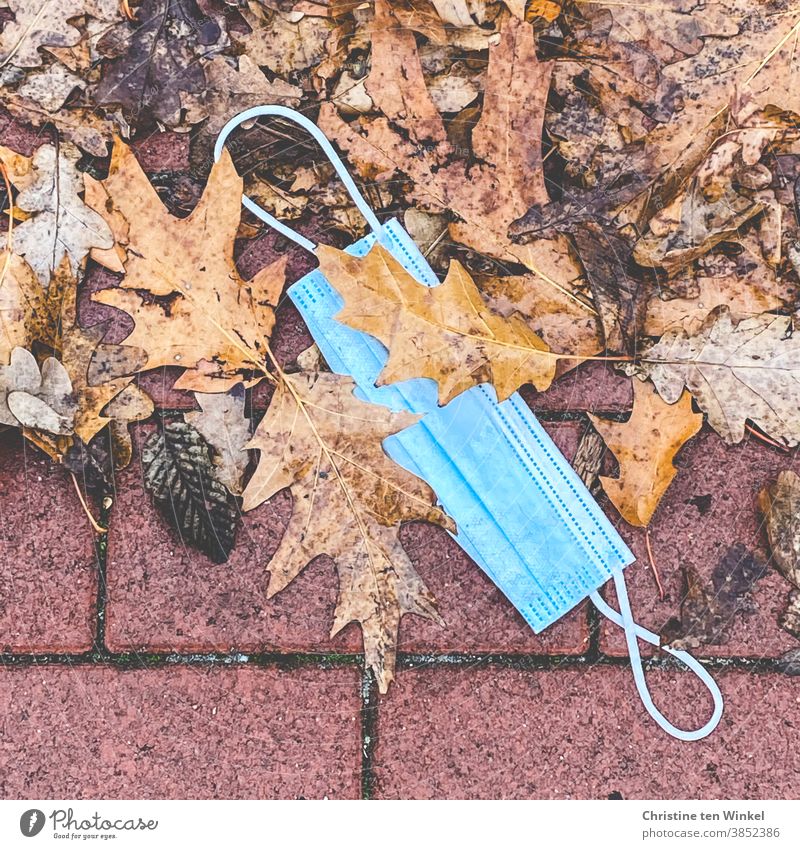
98,528
653,564
764,438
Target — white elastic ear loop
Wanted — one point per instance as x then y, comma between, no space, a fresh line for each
625,620
327,148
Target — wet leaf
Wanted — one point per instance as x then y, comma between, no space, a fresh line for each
151,60
736,372
181,478
780,504
708,612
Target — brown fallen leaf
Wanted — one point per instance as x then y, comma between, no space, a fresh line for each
396,82
60,223
28,312
736,372
99,373
149,61
446,332
284,46
36,398
564,326
35,25
755,69
744,283
619,296
709,611
645,447
203,314
222,423
230,90
488,194
780,504
319,440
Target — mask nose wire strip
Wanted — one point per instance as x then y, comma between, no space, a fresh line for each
327,148
633,631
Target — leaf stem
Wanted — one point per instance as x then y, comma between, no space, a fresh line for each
97,527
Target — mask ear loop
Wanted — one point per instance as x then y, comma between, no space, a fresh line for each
633,631
327,148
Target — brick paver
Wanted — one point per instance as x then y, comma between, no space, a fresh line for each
48,565
95,732
710,506
592,386
582,733
164,595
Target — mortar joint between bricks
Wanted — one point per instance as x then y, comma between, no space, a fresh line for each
370,700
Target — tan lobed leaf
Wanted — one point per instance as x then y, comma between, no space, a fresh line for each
28,312
563,325
99,373
326,445
396,82
61,224
204,315
736,372
780,504
645,447
223,424
757,68
284,46
745,284
35,398
446,332
38,23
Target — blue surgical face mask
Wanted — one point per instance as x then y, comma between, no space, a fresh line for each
522,513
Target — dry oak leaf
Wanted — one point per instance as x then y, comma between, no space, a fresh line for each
736,372
204,315
60,224
349,499
487,194
37,23
444,332
99,372
645,447
28,312
780,504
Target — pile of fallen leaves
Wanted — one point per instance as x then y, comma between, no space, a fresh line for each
591,181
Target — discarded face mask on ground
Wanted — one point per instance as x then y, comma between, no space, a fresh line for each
522,513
